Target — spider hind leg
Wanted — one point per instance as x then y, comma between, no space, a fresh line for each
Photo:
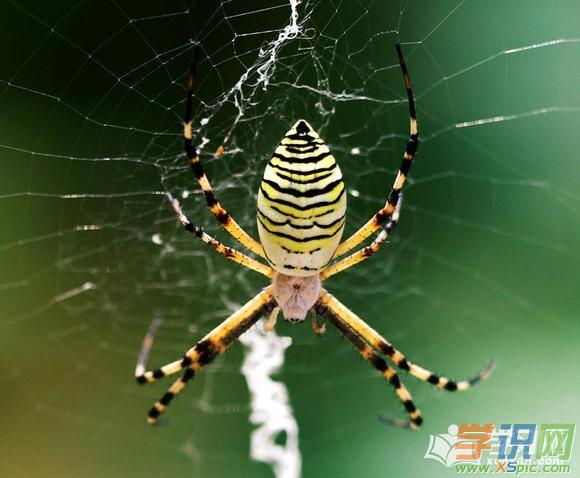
220,213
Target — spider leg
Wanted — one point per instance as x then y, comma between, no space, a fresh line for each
146,346
160,405
215,207
211,346
369,354
271,322
318,329
384,214
373,338
366,252
218,340
227,252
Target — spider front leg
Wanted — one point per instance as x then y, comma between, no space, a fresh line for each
372,337
207,350
146,347
379,364
224,333
214,205
384,214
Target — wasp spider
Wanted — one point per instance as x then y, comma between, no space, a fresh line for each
301,216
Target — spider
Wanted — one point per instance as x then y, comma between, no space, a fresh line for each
300,217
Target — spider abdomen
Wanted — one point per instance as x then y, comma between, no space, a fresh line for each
301,204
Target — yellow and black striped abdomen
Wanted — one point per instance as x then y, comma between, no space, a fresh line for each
301,204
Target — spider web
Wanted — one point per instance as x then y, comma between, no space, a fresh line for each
92,98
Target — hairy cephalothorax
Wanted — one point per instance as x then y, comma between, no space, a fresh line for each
295,296
301,214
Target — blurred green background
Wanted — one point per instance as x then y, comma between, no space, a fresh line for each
485,262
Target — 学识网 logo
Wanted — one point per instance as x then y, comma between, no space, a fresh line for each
507,448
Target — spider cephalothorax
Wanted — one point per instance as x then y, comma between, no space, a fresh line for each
301,213
295,296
